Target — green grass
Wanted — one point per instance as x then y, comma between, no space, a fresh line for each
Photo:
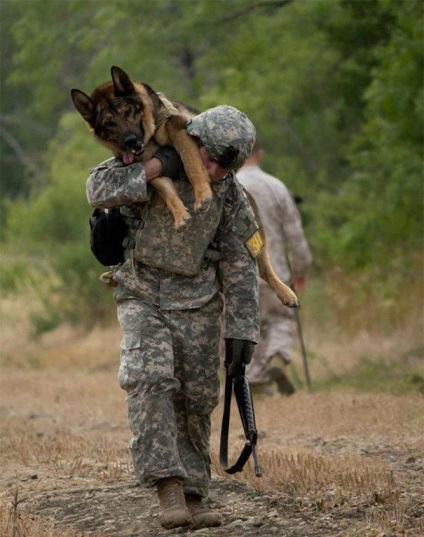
380,375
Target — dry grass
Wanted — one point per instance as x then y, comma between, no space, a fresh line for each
332,358
345,426
63,417
330,480
347,316
359,302
72,422
68,454
16,523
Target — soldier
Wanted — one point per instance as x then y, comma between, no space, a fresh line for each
282,223
170,293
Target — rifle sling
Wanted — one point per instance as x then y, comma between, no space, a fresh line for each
241,461
223,450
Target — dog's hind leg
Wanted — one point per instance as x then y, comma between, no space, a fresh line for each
167,192
266,272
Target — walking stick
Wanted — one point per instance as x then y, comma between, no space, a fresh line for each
299,330
303,350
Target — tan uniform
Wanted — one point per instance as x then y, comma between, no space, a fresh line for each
281,220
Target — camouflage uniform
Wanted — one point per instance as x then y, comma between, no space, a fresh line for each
281,220
171,322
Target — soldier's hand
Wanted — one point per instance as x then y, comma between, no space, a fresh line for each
299,283
172,165
238,353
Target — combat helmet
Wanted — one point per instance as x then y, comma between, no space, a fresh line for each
227,134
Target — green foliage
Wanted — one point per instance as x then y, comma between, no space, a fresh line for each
71,292
276,69
335,88
382,200
58,214
377,376
51,230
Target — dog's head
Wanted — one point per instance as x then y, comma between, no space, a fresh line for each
121,114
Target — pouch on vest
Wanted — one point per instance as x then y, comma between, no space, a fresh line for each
107,233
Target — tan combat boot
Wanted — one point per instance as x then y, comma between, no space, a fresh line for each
203,517
173,509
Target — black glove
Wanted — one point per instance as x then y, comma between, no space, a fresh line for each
172,165
238,353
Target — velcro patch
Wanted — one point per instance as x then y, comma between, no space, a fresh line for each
255,244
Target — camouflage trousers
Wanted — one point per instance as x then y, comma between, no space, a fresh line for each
169,369
276,335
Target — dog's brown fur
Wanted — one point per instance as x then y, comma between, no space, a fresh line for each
132,120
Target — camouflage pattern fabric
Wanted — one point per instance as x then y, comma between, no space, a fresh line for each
169,368
235,274
180,253
281,220
221,127
276,335
128,181
171,326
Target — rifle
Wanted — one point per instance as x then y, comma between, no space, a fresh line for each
235,378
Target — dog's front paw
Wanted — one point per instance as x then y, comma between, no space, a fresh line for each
203,198
181,226
202,204
182,220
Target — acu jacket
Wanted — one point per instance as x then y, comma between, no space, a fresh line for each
171,269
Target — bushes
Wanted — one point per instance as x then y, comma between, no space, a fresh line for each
47,238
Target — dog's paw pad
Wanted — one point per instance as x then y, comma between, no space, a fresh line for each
202,205
182,224
291,301
179,228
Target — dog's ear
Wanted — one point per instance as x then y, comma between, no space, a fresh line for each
121,82
83,104
156,100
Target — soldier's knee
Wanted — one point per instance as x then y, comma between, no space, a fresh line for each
203,400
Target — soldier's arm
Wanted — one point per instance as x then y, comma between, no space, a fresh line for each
238,271
111,184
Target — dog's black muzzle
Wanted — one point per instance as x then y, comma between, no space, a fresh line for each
133,144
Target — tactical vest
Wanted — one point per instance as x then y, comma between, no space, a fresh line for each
157,243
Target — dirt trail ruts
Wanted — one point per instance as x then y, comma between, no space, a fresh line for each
127,510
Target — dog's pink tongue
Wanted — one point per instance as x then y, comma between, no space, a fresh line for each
128,158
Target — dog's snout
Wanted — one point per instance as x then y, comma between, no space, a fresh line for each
131,141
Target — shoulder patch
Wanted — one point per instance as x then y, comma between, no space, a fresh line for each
255,244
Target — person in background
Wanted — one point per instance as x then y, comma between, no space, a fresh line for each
170,292
290,256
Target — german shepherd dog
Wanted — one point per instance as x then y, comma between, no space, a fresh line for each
133,120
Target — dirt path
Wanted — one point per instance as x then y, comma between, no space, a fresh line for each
335,465
127,510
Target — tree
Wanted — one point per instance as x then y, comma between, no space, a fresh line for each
383,197
333,86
